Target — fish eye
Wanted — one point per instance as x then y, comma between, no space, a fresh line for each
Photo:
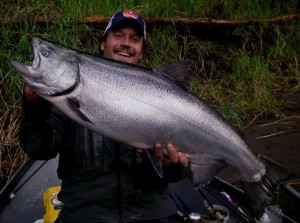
45,53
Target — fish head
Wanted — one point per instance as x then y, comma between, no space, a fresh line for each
54,70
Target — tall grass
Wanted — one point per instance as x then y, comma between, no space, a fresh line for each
238,72
168,8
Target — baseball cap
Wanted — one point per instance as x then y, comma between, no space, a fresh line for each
122,16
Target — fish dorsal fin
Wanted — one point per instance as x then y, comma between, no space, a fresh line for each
178,72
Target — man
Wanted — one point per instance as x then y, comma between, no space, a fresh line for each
103,180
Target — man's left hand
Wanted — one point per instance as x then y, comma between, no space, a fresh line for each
173,157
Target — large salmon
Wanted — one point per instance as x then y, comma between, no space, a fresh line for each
140,106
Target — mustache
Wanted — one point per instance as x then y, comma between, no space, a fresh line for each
125,49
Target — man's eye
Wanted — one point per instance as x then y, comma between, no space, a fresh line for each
136,39
118,35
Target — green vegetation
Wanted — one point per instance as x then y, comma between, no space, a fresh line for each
237,69
168,8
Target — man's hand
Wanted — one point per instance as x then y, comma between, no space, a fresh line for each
31,96
173,157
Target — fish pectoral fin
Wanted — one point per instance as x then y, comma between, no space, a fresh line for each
155,161
75,107
204,173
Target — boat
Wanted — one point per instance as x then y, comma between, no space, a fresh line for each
21,199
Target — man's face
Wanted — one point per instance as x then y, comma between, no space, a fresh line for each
124,44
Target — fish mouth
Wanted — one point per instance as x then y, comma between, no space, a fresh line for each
36,54
26,69
37,59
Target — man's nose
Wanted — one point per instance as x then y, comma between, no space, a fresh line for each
126,41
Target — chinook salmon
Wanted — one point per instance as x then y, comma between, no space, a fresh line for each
141,106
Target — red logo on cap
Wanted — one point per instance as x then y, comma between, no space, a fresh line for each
130,14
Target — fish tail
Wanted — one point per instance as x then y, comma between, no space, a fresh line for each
259,194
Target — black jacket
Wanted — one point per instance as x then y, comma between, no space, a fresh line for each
102,180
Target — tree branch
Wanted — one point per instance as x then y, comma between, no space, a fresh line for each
176,20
